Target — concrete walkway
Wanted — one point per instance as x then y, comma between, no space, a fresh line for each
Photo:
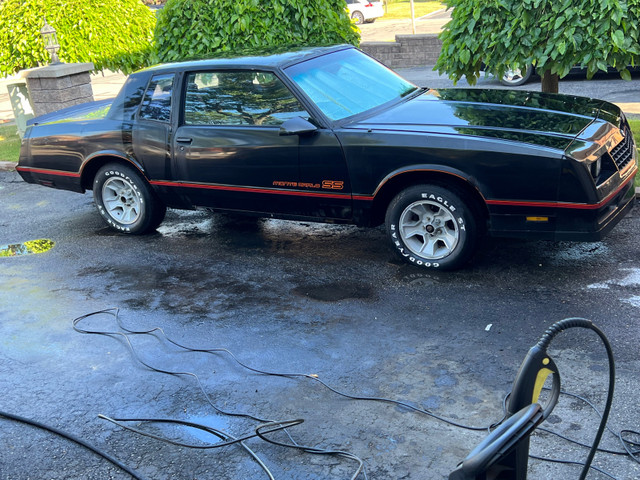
386,30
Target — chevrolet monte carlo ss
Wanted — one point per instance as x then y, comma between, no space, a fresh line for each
329,134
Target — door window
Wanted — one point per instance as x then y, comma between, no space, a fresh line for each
156,104
239,98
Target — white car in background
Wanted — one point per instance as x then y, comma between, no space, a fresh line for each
364,11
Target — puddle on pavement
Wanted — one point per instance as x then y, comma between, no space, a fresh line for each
334,292
196,436
186,228
417,276
27,248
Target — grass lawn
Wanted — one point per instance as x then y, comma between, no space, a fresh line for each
9,143
399,9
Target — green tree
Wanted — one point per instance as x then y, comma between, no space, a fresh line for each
201,28
114,35
552,35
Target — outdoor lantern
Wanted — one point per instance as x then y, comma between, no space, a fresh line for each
50,41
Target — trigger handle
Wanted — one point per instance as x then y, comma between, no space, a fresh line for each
535,369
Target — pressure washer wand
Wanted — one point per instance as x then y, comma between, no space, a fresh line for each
534,370
504,453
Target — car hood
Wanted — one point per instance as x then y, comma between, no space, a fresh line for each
85,111
532,117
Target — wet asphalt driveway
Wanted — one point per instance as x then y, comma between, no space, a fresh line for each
295,298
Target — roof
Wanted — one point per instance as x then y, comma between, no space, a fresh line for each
274,61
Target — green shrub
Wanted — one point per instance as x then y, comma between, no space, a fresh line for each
553,35
200,28
114,35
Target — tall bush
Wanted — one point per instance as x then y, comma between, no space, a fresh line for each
552,35
114,35
199,28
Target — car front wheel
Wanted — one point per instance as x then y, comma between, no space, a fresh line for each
431,226
126,201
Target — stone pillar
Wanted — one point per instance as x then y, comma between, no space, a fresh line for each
59,86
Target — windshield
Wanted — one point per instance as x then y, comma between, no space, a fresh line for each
348,82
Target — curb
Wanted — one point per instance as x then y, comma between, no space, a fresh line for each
7,166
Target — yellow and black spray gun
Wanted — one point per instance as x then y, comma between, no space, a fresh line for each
504,453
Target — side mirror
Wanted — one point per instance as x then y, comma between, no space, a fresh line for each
297,126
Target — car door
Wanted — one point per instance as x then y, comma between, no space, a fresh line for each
152,128
228,151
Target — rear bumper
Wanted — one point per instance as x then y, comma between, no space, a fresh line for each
51,178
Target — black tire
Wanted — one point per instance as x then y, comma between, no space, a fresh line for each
126,201
358,17
432,226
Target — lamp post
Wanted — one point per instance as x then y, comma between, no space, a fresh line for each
413,18
50,42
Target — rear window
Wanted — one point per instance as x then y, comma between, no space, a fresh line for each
156,104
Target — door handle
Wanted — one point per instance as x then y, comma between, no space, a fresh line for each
184,140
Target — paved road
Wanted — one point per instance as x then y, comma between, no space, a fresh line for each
294,297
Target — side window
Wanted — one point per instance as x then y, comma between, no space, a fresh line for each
239,98
156,104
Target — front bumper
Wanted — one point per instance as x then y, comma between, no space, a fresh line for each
561,220
594,224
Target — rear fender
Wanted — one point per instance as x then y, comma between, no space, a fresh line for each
94,162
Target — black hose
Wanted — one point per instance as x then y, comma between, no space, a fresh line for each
544,342
68,436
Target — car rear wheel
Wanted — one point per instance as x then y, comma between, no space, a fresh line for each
432,226
358,17
126,201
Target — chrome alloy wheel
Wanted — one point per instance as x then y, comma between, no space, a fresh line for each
121,200
429,229
514,77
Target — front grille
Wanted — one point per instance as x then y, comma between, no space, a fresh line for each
622,153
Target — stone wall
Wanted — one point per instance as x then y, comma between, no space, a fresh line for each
406,51
59,86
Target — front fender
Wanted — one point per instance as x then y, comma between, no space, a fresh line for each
426,171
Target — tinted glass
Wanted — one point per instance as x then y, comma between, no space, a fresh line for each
349,82
156,104
238,98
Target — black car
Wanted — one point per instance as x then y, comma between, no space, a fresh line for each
329,134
